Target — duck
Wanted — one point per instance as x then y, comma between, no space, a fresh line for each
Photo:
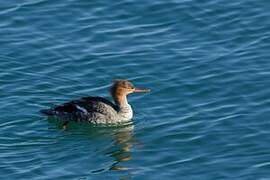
98,110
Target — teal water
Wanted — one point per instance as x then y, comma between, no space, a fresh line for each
207,63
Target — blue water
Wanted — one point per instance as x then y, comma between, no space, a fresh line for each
207,63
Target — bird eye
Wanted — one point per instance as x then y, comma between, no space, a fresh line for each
131,86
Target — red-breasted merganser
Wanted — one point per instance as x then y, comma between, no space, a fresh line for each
98,110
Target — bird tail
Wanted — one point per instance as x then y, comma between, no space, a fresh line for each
48,112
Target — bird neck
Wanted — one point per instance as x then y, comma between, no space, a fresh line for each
121,100
125,111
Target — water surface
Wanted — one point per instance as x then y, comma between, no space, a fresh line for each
207,63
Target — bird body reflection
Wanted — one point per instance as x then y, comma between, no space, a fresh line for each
120,150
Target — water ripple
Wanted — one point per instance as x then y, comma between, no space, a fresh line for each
207,64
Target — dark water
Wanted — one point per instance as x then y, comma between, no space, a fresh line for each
207,63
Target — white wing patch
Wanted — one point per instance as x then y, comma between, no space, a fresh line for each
81,109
